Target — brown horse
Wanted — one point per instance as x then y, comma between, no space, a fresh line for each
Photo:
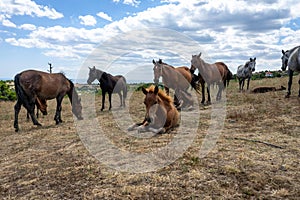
177,78
110,84
31,85
41,105
210,73
161,114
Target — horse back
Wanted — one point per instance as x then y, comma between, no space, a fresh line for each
44,85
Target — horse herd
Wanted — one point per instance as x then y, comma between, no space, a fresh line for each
34,88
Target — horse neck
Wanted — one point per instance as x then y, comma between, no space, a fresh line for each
166,101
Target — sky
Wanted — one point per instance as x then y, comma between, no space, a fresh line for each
124,36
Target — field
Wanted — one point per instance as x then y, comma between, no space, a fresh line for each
256,155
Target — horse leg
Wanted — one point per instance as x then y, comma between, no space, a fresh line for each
208,94
289,83
57,116
121,101
109,98
299,87
103,100
248,83
17,110
219,94
242,84
203,92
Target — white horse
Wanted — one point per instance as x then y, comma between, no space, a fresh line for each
245,72
291,58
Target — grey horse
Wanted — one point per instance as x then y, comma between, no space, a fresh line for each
245,72
291,58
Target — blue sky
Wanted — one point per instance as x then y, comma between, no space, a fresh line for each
123,36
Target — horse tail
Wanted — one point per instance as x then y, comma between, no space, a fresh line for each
21,95
125,88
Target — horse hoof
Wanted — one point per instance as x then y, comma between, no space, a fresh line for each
287,96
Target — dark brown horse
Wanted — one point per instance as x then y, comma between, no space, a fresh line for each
41,105
31,85
177,78
110,84
210,73
161,114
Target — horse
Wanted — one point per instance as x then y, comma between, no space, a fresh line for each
177,78
41,105
210,73
109,84
264,89
245,72
291,58
161,114
31,85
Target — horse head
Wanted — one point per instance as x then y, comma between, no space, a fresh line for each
155,111
284,58
157,69
195,62
251,64
77,109
92,75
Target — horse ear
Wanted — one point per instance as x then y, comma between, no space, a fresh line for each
283,52
160,61
156,90
153,61
254,59
94,67
199,54
144,91
251,60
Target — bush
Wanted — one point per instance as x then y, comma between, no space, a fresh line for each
7,94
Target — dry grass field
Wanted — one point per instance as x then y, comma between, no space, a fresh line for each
257,155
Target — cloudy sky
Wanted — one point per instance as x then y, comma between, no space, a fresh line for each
123,36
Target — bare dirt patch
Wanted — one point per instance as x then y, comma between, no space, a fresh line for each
51,162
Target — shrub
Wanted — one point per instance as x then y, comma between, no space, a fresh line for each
7,94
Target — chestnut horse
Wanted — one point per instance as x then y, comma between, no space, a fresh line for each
177,78
110,84
210,73
161,114
31,85
41,104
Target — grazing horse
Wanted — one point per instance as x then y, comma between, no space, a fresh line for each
110,84
177,78
210,73
31,85
41,104
245,72
161,114
291,58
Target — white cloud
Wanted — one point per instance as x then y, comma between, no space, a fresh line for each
134,3
27,7
104,16
229,31
29,27
88,20
8,23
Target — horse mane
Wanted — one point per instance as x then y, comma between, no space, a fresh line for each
161,94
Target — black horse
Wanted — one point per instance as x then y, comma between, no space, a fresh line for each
109,84
32,85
